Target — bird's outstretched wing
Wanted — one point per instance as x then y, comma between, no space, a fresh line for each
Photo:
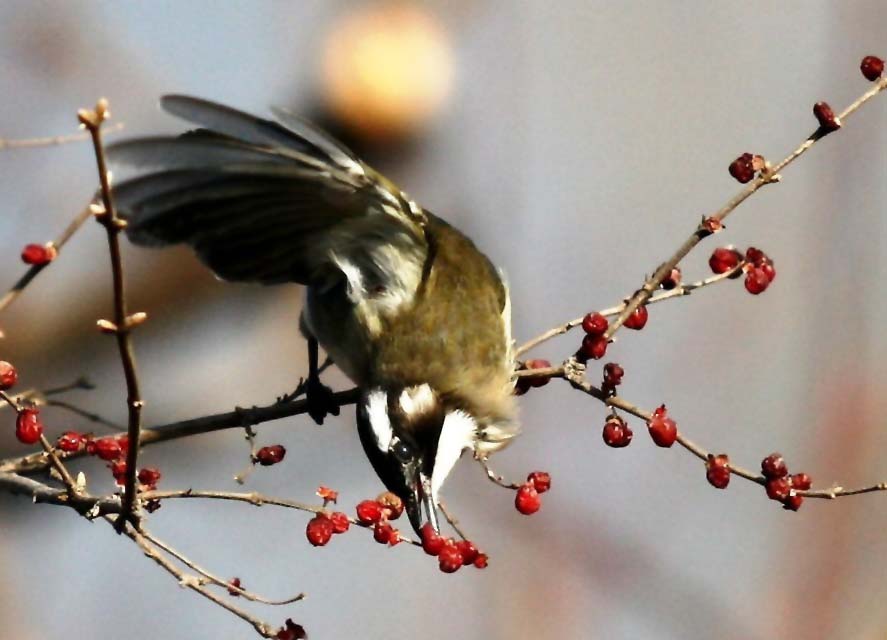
266,201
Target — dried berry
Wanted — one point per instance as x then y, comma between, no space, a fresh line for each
340,522
593,346
717,471
369,512
778,488
594,324
450,558
328,495
541,481
801,482
233,586
8,375
392,505
793,502
384,533
149,477
291,631
432,542
638,319
70,441
38,254
872,67
773,466
743,168
28,427
663,430
319,530
616,433
527,500
468,551
267,456
539,381
756,281
107,448
613,374
723,259
827,119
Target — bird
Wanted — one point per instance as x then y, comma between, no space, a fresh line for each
402,302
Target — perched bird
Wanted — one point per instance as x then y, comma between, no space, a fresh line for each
404,304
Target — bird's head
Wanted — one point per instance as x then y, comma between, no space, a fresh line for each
413,441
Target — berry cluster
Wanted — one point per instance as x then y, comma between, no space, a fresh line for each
321,527
780,485
451,554
527,500
757,265
291,631
594,344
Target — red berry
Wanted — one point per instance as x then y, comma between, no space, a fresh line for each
319,530
773,466
594,324
616,433
638,319
723,259
340,522
107,448
291,631
481,561
69,441
541,481
594,347
152,505
613,374
660,412
450,558
717,471
872,67
267,456
384,533
8,375
38,255
663,430
540,381
801,482
468,551
149,477
28,427
793,502
756,281
827,119
527,500
672,280
521,386
369,512
432,542
778,488
743,168
769,271
234,582
392,505
118,470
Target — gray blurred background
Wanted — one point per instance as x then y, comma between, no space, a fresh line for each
578,143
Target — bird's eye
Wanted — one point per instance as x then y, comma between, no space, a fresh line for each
402,451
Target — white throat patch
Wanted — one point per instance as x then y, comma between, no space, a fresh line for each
459,432
380,423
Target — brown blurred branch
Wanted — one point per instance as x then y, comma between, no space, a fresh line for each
51,141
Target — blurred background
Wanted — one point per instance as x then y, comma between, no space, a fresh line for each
578,143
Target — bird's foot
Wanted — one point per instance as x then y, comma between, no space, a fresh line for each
321,401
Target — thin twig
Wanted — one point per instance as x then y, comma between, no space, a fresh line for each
768,176
454,522
51,141
32,271
190,581
123,322
495,477
683,289
215,579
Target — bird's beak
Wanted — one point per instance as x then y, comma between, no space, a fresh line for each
421,500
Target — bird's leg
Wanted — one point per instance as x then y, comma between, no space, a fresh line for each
319,396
